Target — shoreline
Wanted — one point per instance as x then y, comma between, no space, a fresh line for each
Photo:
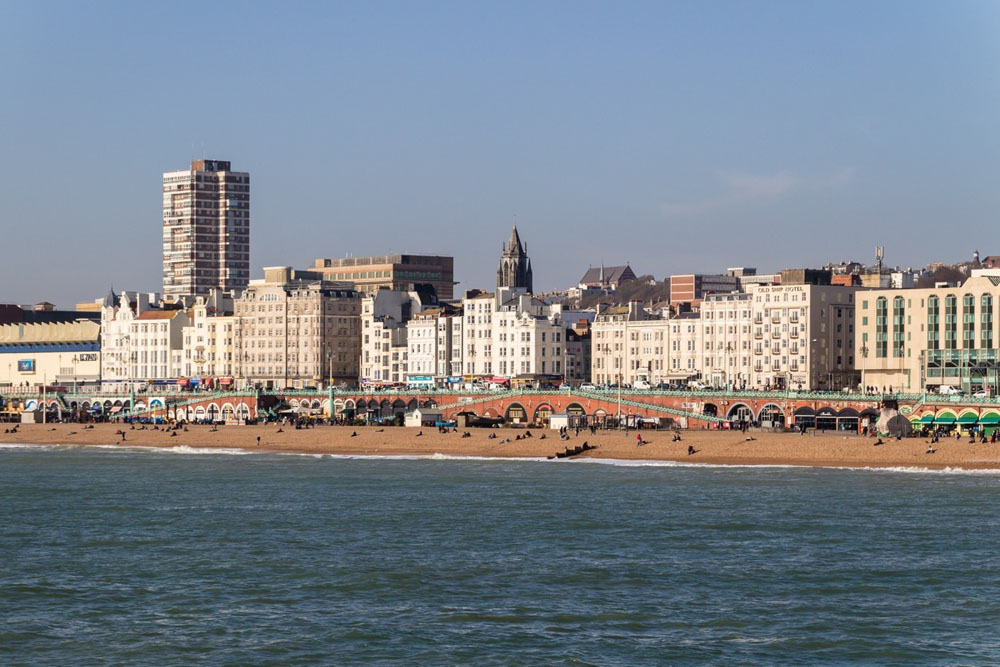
614,462
716,448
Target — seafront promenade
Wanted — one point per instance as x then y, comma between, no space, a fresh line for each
778,410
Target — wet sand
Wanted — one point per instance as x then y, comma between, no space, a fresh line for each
716,447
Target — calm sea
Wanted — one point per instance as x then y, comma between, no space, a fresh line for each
155,557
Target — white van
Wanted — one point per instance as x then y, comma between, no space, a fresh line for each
641,384
948,390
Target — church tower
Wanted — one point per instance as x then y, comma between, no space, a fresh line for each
514,269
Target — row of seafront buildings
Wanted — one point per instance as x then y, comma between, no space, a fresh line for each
393,320
295,329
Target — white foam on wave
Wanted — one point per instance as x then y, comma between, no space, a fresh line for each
921,470
187,449
437,456
20,445
433,457
653,463
645,463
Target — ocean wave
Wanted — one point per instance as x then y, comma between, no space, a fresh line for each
437,456
654,463
187,449
24,445
948,470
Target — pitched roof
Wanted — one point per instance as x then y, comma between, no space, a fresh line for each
612,274
159,314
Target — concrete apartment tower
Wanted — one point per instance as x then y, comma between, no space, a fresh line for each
206,229
514,268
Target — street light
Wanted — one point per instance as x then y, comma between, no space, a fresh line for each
902,362
864,363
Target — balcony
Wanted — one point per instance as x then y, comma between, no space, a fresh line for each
758,335
776,319
775,333
794,333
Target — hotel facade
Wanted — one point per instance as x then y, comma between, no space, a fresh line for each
914,340
772,336
297,330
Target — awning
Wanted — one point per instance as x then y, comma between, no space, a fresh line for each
225,380
945,419
968,418
116,408
96,408
926,419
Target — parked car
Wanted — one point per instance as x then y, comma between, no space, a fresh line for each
641,384
982,393
587,386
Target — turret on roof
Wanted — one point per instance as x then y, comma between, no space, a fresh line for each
111,299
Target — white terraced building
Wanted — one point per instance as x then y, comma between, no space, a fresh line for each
434,338
511,334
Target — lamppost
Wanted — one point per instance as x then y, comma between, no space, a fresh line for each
864,364
902,363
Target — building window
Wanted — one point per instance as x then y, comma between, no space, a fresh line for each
950,322
881,327
986,328
898,326
933,323
968,322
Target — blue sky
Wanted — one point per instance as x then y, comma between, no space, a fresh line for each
678,136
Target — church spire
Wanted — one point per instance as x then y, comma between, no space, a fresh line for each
514,268
514,243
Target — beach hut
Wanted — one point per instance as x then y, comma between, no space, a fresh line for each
423,417
558,420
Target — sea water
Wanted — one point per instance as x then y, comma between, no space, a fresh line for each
167,557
